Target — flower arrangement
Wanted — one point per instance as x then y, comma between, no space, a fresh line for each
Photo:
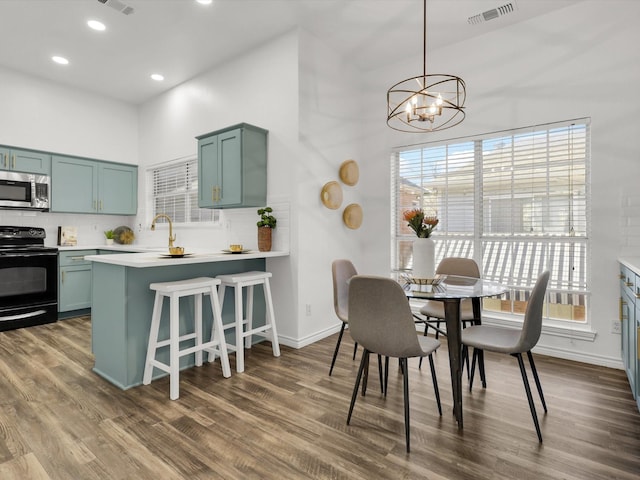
419,223
266,219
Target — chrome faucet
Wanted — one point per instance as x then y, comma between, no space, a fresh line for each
172,237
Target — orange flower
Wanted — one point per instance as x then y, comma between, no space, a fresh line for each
423,226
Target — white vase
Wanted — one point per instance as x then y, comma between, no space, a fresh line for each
109,241
424,258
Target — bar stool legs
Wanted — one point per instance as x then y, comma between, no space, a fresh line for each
195,287
243,324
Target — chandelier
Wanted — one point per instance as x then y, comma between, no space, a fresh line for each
426,103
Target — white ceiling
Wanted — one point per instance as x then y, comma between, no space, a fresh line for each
180,38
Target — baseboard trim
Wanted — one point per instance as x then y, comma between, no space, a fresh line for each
309,339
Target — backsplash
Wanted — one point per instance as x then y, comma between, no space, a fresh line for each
237,226
90,227
630,224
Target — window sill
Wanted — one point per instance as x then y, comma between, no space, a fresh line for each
582,332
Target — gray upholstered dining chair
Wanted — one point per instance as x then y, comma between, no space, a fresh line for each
380,320
341,271
515,342
434,310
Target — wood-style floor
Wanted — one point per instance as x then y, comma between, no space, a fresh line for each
285,418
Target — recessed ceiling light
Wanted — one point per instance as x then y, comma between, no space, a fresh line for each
96,25
157,77
60,60
204,2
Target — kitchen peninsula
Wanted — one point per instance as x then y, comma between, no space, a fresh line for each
122,304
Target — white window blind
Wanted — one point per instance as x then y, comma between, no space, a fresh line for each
175,193
515,201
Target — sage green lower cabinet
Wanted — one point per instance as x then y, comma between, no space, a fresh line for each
630,327
232,167
81,185
20,160
74,280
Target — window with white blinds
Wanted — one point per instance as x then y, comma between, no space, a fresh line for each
516,202
174,190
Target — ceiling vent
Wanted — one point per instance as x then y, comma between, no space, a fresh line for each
493,13
118,5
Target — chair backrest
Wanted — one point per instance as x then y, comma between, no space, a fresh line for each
464,267
342,270
380,317
532,325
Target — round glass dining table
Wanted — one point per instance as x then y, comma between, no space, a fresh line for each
451,289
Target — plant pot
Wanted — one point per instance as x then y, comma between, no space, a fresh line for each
264,239
109,241
423,258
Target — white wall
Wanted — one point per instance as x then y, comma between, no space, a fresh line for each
580,61
259,88
329,126
42,115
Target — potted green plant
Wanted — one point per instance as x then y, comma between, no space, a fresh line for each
265,228
109,235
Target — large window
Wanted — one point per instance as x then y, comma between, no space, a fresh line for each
174,192
516,202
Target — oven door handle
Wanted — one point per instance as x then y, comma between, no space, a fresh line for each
22,315
30,254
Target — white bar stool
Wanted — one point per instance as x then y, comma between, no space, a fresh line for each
268,330
174,291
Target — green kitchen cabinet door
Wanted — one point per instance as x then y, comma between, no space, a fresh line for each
74,288
19,160
207,171
74,280
232,167
74,185
117,189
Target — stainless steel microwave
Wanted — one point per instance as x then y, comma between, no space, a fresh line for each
24,191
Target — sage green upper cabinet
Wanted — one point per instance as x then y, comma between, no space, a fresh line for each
74,185
232,167
118,189
25,161
87,186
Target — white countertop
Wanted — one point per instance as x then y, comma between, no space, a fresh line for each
160,258
631,262
114,248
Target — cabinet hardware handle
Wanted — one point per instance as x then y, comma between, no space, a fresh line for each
77,258
62,278
621,276
5,161
14,161
628,283
100,208
95,205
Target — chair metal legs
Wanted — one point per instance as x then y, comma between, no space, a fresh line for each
366,376
435,383
405,378
335,353
405,382
532,407
363,362
535,377
478,355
